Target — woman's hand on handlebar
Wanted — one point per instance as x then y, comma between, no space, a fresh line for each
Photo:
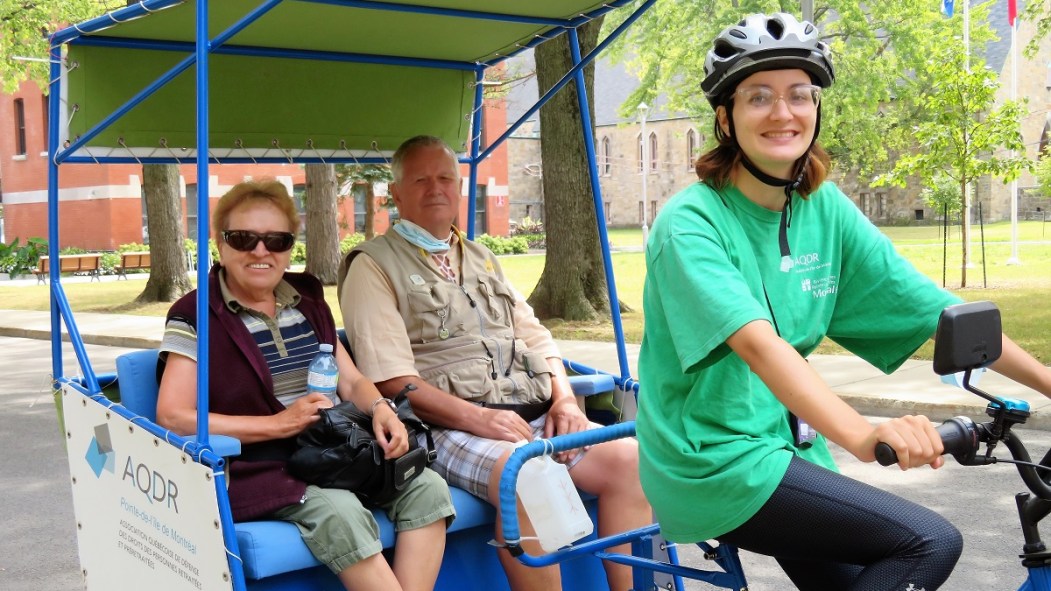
914,439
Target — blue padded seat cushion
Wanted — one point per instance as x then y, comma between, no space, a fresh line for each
270,548
591,384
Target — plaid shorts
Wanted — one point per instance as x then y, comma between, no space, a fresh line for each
466,461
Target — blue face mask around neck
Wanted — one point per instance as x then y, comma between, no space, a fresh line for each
417,236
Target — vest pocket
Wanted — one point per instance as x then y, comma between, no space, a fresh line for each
498,297
470,379
432,316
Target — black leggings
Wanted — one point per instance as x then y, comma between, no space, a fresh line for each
830,532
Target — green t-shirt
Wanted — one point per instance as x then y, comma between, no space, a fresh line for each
714,441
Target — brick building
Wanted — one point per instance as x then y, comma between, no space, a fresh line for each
102,206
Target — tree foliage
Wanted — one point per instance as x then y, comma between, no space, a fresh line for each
902,106
26,25
1042,170
880,51
967,135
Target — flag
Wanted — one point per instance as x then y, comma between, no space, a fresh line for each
1012,11
947,8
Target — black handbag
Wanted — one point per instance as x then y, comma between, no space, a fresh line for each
340,451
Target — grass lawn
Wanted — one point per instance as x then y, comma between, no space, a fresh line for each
1023,292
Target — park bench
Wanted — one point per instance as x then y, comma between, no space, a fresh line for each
131,261
71,263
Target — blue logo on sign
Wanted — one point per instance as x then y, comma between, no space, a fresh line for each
100,455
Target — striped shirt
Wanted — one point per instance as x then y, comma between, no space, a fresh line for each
287,341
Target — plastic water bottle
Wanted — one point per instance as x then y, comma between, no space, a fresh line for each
323,373
552,503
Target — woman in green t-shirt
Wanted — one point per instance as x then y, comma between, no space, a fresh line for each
747,271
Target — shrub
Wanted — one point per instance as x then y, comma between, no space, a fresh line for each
72,250
350,241
18,260
500,245
535,240
109,261
133,247
191,247
528,225
299,253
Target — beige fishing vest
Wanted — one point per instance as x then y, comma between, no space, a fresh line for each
462,336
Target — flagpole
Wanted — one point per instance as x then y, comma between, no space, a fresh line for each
966,193
1014,260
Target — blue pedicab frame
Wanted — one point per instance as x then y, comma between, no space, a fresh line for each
68,145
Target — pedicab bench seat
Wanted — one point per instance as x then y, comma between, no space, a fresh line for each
275,557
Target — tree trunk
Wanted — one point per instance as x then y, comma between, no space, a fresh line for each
168,281
370,210
322,225
572,285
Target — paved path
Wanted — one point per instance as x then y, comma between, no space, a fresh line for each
913,389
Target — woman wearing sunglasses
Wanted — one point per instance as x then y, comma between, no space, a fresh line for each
266,325
747,271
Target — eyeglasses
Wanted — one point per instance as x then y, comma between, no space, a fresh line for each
801,99
246,240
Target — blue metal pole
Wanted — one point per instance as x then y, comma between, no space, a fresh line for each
476,141
471,14
596,192
53,121
305,54
203,181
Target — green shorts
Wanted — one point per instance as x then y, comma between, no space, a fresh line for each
340,531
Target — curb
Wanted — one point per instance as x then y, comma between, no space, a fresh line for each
126,342
937,412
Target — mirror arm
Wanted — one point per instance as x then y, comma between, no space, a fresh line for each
974,390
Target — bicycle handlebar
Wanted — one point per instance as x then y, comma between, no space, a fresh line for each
962,438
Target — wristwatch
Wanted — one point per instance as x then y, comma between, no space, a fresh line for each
383,400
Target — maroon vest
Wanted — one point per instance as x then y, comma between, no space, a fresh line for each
240,384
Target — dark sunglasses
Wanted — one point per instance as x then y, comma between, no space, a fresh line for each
246,240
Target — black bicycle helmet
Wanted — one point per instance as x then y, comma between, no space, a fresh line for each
764,42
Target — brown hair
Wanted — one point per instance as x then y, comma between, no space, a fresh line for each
266,190
717,165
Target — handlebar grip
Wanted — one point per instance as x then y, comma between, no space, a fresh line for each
885,454
959,437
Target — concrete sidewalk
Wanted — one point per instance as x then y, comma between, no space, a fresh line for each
913,389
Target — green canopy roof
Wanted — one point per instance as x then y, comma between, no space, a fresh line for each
305,78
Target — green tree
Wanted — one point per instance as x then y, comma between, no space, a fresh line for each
967,137
368,175
26,25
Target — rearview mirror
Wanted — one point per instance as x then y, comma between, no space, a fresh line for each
969,336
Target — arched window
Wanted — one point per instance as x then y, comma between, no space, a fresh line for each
653,151
638,144
691,148
603,160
